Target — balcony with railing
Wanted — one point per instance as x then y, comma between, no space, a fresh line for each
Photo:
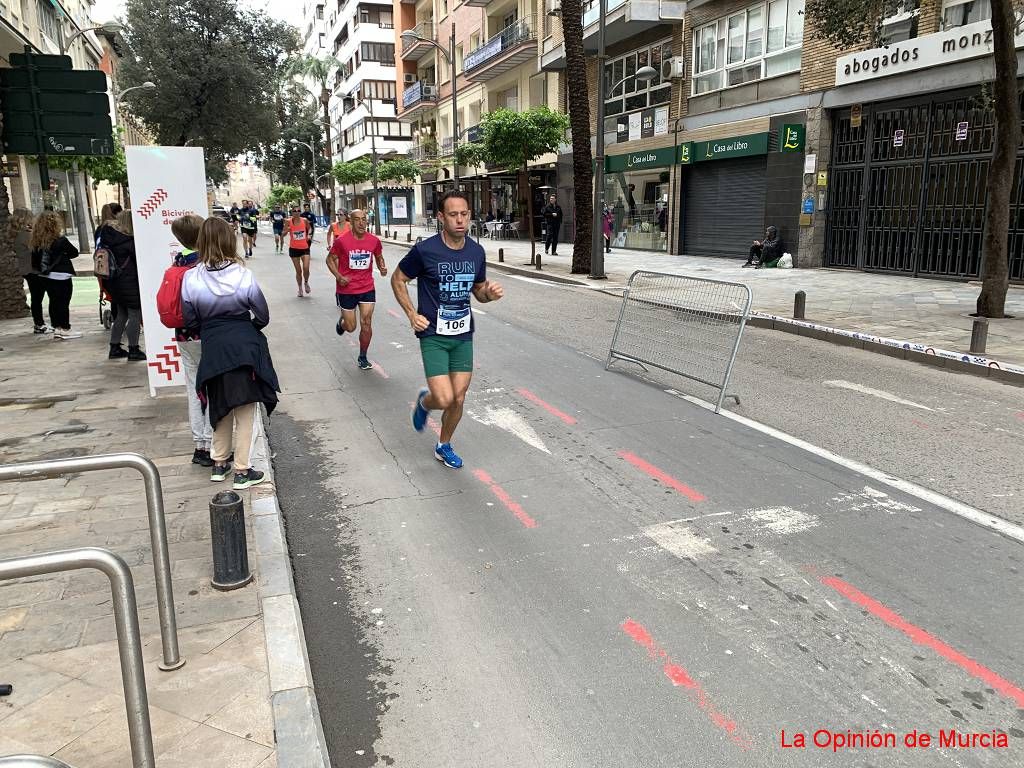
414,50
418,98
514,45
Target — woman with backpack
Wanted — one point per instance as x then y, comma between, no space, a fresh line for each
221,301
51,257
123,284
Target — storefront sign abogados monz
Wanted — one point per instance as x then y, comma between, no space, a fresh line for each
735,146
642,159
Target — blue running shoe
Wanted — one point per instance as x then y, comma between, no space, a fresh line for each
443,452
364,364
419,413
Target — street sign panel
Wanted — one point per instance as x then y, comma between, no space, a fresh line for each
22,122
59,144
41,61
56,80
68,103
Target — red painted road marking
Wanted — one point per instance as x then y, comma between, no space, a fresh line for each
394,314
919,423
680,677
922,637
661,476
546,406
434,426
379,370
505,499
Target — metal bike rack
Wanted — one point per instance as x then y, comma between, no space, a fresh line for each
157,527
129,642
31,761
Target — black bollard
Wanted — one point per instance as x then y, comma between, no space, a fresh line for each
538,259
979,336
408,238
799,304
501,254
6,689
227,530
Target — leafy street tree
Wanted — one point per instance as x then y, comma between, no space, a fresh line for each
284,195
352,172
291,163
319,69
854,23
400,169
512,139
579,116
215,66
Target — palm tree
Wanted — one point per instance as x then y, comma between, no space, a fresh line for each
579,119
12,294
319,69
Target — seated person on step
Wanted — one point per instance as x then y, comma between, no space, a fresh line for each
767,252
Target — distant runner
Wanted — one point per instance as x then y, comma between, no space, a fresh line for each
447,268
300,234
338,227
309,216
277,220
349,260
248,223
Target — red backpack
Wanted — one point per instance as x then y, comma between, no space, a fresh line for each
168,298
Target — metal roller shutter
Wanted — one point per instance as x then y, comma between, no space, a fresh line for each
723,206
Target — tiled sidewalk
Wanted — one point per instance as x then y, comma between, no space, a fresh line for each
931,312
57,635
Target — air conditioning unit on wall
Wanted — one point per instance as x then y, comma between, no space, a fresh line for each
673,68
409,78
429,90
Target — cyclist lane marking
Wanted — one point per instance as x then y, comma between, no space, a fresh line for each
546,406
662,476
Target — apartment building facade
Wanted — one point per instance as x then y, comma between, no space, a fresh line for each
495,50
360,34
43,26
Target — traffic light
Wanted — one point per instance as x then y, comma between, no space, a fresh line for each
51,109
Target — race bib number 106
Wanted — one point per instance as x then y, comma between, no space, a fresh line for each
453,321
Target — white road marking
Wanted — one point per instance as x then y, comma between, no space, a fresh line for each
782,520
478,311
511,422
679,540
396,345
535,281
953,506
879,393
871,498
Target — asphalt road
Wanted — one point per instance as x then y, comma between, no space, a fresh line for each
619,577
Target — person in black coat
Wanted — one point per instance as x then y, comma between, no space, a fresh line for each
123,285
767,252
51,258
553,219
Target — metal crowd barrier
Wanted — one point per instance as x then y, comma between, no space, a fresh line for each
157,527
129,643
685,325
31,761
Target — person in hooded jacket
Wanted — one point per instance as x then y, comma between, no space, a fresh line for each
123,286
221,301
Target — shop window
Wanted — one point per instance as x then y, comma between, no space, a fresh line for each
762,41
957,13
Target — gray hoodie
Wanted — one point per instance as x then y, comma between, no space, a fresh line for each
228,291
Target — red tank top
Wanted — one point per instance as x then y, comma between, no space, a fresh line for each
299,236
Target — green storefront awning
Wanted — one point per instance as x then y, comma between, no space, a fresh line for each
641,160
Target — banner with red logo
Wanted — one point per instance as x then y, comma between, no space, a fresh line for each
165,183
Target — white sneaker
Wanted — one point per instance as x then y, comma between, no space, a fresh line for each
299,293
65,333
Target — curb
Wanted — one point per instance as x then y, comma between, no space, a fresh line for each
959,362
298,729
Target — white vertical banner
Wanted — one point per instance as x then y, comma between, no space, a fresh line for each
165,183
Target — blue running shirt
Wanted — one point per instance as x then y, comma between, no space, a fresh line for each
444,284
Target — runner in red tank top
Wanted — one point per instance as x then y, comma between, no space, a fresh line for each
300,234
351,260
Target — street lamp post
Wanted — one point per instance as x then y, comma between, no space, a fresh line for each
411,35
312,151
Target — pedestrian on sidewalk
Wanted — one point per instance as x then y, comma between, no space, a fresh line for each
21,237
52,254
221,301
553,220
123,285
606,225
186,231
766,252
